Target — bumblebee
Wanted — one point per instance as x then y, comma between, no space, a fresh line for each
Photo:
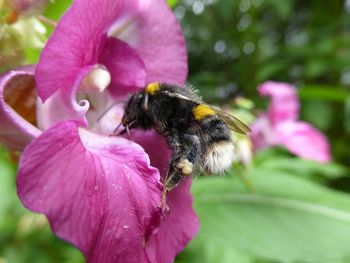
198,134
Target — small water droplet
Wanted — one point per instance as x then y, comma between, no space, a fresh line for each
126,226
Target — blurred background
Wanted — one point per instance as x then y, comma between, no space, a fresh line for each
277,208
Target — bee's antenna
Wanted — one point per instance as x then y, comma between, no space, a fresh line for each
106,111
115,130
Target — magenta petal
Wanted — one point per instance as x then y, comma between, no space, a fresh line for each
304,140
15,131
123,62
262,133
63,104
74,44
149,27
98,192
155,146
160,43
178,228
284,103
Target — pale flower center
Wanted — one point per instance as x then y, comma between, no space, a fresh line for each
99,79
104,113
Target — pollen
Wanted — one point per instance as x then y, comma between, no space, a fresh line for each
186,167
202,111
152,88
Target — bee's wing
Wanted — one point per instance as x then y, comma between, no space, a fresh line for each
180,96
233,123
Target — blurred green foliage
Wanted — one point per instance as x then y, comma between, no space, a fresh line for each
234,45
290,217
295,215
300,210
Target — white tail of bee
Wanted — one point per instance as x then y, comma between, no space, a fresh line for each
219,157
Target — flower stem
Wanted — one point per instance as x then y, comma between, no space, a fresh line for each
47,21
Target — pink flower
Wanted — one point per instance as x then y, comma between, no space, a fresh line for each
280,125
28,6
17,118
101,193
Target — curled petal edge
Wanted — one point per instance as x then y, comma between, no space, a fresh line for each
16,132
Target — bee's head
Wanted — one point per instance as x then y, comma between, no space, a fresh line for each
134,114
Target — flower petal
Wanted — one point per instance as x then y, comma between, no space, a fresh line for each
63,104
178,228
262,133
304,140
99,193
17,108
181,225
78,41
28,7
159,41
124,62
284,103
155,146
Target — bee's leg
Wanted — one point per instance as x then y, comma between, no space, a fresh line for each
174,144
183,159
186,150
163,205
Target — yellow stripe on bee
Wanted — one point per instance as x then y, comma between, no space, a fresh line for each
153,88
202,111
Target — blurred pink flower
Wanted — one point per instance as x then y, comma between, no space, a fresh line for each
101,193
28,6
280,125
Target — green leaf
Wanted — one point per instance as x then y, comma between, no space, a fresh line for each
324,118
7,184
268,70
270,161
56,8
288,219
172,3
212,254
323,92
227,8
32,55
316,67
347,114
282,8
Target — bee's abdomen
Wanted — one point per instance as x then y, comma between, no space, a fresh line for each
220,150
219,157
